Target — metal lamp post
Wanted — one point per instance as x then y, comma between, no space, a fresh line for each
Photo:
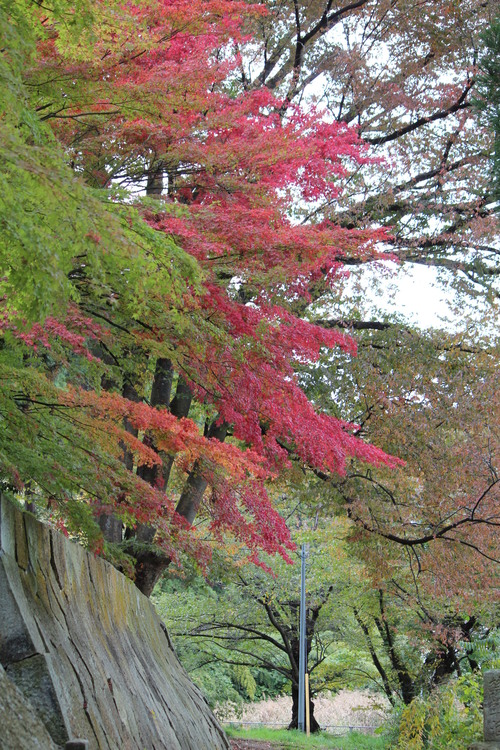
302,639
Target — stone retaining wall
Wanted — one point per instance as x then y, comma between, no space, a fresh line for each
88,650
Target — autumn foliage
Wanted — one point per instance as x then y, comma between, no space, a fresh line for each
157,251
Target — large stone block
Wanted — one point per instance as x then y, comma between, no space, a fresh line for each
34,679
491,707
21,729
88,649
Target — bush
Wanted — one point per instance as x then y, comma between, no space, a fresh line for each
450,719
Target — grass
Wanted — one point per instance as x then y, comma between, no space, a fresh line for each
292,740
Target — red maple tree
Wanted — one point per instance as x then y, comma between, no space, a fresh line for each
196,286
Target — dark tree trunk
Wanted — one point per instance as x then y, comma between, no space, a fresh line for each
154,184
376,661
314,726
129,392
443,660
406,682
443,663
294,657
181,402
162,382
149,565
160,396
179,407
110,525
192,494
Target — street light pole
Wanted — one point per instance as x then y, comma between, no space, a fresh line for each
302,639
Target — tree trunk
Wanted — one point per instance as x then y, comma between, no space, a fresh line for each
154,184
150,565
406,682
314,726
154,475
443,663
376,661
110,525
192,494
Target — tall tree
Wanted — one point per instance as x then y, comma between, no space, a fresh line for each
252,619
192,287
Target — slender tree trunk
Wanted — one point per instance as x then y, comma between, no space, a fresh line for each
192,494
406,682
150,563
376,661
294,658
155,475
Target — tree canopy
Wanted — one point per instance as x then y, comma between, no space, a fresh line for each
96,330
172,202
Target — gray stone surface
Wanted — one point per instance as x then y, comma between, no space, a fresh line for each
88,650
491,708
34,680
20,727
491,705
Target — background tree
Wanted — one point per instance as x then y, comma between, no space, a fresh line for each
405,73
250,619
366,626
488,101
435,397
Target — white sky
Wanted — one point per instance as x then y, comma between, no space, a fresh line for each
413,292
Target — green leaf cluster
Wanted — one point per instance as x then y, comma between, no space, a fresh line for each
450,719
61,239
488,101
190,604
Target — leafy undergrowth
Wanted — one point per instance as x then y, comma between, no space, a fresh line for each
283,739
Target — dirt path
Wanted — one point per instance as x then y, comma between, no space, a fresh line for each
240,744
254,745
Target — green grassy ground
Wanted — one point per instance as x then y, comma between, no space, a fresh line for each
293,740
